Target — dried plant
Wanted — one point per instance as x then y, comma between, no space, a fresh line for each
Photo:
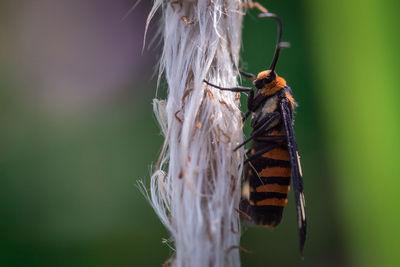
195,188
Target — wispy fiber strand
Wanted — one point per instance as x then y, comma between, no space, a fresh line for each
196,184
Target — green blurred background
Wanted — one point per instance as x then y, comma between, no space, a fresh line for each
77,132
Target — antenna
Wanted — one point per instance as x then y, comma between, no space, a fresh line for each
279,44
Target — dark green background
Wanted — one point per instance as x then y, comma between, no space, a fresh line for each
67,177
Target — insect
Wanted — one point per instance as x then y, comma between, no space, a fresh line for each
273,159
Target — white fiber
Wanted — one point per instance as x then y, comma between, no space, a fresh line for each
195,188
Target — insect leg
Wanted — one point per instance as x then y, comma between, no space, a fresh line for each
260,152
259,130
249,76
232,89
238,89
246,115
250,100
256,126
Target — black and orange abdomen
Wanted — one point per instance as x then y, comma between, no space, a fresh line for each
268,178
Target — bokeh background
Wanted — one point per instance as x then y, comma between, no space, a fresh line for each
77,132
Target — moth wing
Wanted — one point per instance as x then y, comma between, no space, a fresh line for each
297,179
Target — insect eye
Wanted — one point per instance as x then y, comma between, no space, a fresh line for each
259,84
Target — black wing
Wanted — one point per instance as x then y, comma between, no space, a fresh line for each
297,179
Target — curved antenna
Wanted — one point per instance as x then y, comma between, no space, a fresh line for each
279,44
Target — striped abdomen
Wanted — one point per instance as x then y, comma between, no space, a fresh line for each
268,177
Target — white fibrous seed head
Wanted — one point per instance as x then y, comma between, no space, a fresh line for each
195,187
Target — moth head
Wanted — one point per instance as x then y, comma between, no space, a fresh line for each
264,79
